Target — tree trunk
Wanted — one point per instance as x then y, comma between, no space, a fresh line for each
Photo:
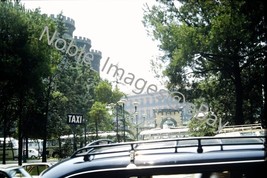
44,155
20,114
264,119
239,117
96,127
5,135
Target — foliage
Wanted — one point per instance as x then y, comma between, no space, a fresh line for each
69,89
39,85
99,115
215,49
103,92
199,127
25,62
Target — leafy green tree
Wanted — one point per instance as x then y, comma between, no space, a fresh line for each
25,62
117,95
199,128
69,89
103,92
105,96
76,84
203,122
99,115
207,40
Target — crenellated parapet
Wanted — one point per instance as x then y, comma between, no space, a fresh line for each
82,39
65,19
97,57
96,52
69,23
80,42
69,20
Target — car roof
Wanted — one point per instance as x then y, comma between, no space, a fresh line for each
38,163
12,169
171,152
9,166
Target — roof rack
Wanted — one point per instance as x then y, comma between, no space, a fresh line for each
244,127
146,147
91,146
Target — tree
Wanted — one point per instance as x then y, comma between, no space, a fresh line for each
98,113
25,62
199,128
100,117
103,92
71,90
213,39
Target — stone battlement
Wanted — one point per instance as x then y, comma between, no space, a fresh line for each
65,19
96,52
82,39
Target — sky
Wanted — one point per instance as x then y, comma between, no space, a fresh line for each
115,28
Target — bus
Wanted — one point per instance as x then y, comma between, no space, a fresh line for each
11,149
70,143
53,149
242,130
165,133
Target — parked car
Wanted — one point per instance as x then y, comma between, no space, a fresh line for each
13,171
33,153
198,157
35,169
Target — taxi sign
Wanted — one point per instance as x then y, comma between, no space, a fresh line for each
75,119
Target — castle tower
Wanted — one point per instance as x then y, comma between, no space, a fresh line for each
97,55
81,41
69,25
96,61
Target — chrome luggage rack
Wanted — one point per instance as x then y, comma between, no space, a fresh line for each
128,148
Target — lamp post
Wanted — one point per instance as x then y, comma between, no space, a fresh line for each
136,117
122,103
144,118
117,122
112,105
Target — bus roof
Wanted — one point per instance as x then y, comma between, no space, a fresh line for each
165,130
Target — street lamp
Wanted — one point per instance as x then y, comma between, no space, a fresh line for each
136,117
117,122
117,105
112,105
122,103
